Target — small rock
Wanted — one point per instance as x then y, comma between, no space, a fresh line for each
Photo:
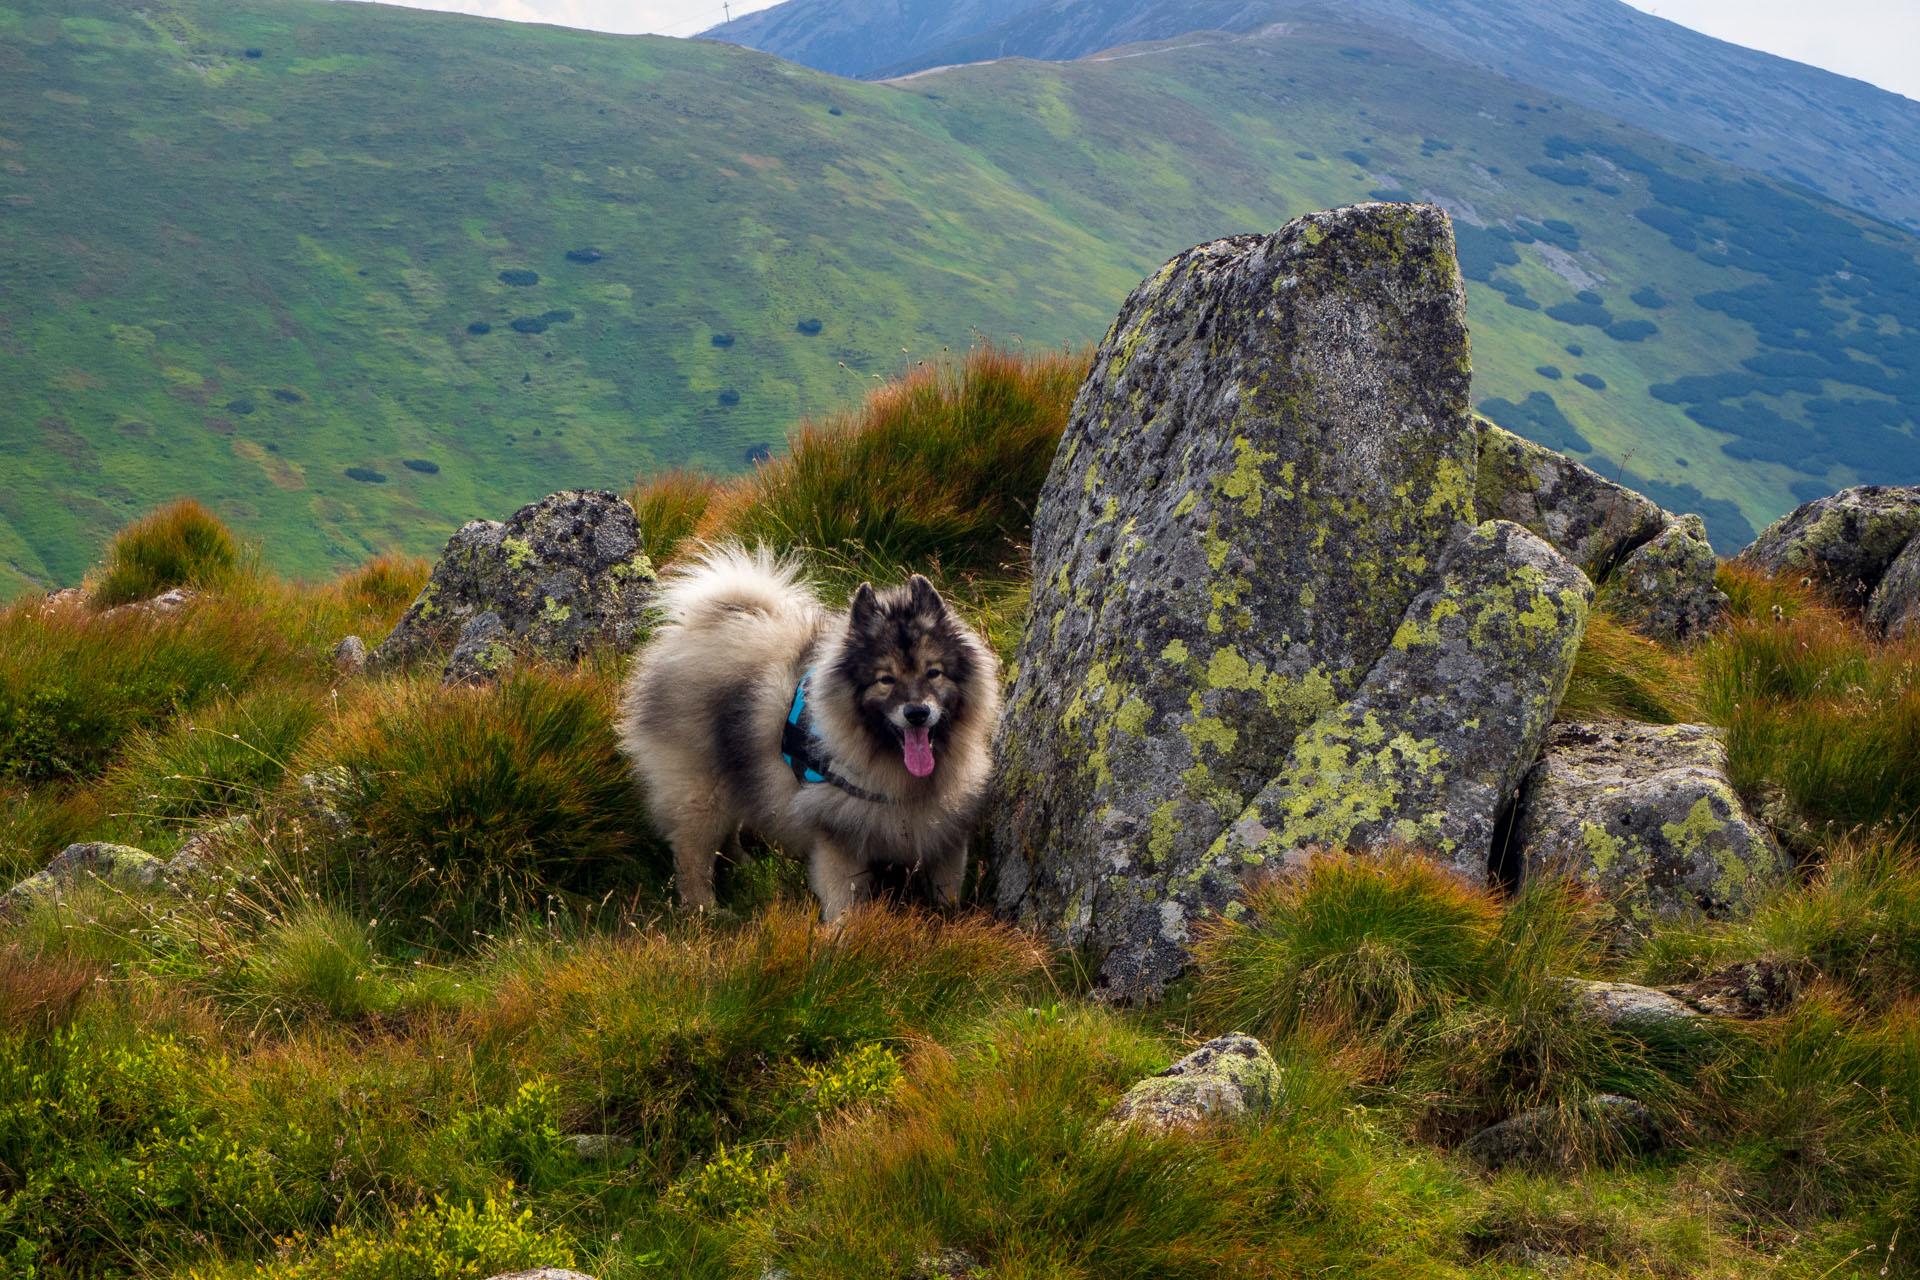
1603,1127
1754,989
562,575
1645,815
1227,1077
543,1273
1589,519
949,1264
600,1147
1666,586
483,654
1622,1004
1895,607
64,599
1846,542
115,864
327,795
166,603
350,656
193,857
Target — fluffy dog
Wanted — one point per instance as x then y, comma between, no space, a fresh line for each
860,738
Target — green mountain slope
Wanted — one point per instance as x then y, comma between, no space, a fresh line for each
259,279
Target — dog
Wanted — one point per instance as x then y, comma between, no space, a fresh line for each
860,739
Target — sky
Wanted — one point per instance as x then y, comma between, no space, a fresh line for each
1873,40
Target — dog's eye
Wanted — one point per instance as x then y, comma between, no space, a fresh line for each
935,674
885,682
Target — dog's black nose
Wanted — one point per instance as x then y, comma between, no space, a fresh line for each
917,713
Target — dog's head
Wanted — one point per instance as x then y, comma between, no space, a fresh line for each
913,668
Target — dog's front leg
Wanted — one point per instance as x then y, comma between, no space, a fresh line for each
946,876
837,879
696,842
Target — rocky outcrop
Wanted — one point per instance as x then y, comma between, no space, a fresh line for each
1660,565
1429,751
1264,469
1595,1131
1895,606
119,865
1665,587
1846,543
1591,520
562,575
1225,1078
1646,816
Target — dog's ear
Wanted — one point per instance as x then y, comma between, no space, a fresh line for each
865,609
926,600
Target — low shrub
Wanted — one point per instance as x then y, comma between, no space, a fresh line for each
180,545
474,806
434,1242
422,465
520,278
479,328
366,475
528,324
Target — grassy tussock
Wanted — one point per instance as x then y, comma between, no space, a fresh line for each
480,802
938,468
1620,674
669,506
180,545
1814,706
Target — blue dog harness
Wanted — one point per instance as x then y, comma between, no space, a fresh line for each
806,752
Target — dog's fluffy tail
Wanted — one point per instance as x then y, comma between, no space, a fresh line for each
727,580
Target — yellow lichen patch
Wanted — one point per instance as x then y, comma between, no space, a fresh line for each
1175,652
1247,484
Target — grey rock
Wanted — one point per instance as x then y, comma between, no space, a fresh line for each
563,574
205,847
543,1273
600,1147
1269,458
166,604
1665,587
327,796
1895,606
1597,1130
1644,814
484,653
1431,749
1846,543
949,1264
1227,1077
350,656
120,865
1589,519
1622,1004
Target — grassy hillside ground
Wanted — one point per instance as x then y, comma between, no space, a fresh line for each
366,1050
352,275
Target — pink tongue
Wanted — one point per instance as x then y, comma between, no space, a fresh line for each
919,753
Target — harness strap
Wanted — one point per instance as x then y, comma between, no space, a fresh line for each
806,752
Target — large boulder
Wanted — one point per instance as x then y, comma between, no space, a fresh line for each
119,865
1895,607
562,575
1846,542
1226,1078
1644,814
1430,750
1268,461
1589,519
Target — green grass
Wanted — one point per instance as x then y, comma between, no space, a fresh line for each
228,333
181,545
365,1052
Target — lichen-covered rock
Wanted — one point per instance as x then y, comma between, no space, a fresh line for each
1589,519
1227,1077
1846,542
563,574
1895,607
1665,586
206,847
1622,1004
599,1148
484,653
1597,1130
544,1273
119,865
1645,815
1270,455
1430,750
